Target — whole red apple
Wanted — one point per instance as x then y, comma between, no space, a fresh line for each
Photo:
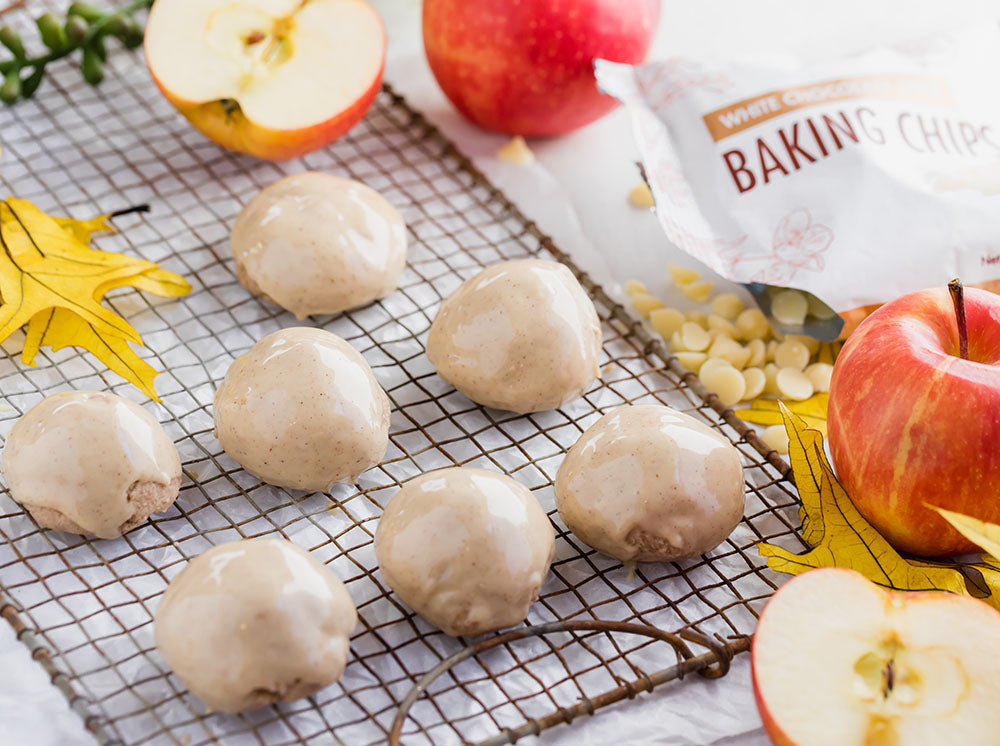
526,67
838,661
913,423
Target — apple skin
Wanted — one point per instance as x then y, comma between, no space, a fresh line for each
910,422
526,68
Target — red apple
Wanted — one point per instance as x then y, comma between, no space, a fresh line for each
838,661
912,423
272,78
527,67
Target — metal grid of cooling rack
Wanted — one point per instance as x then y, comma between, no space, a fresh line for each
85,605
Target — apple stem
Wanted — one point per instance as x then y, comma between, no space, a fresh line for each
958,299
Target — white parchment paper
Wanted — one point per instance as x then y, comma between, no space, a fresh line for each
588,175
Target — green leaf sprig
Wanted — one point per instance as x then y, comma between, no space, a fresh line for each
86,28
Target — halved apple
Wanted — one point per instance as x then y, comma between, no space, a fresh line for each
838,661
272,78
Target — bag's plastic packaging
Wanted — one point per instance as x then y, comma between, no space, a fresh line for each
858,179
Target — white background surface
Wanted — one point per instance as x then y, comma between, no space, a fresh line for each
577,192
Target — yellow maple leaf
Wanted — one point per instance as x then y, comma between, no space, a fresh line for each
768,411
983,534
841,537
53,281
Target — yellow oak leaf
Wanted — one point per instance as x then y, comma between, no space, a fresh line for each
53,281
82,230
808,479
839,536
983,534
60,328
43,266
156,281
768,411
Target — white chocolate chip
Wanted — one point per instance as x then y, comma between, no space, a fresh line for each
752,324
771,379
791,354
666,321
642,196
697,317
644,303
754,379
757,353
819,374
794,384
691,360
775,437
721,324
694,337
726,382
681,275
729,349
812,344
727,305
516,151
697,291
712,363
634,287
789,307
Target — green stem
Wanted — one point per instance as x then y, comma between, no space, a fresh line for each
95,30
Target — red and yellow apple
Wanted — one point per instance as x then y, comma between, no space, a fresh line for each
838,661
527,67
912,423
272,78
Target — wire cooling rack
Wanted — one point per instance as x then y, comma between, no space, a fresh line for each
85,606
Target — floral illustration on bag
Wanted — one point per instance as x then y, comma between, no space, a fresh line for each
666,178
933,46
798,243
660,83
662,169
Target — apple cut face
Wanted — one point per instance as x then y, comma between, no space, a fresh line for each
282,67
837,661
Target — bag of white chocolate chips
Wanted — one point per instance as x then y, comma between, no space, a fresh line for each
857,180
